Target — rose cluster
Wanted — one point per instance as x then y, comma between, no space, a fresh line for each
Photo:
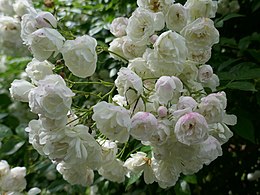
161,93
71,147
161,102
12,180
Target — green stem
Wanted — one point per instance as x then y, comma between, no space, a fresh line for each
100,49
105,83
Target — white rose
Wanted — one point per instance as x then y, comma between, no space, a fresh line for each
169,54
37,70
221,132
140,162
143,125
79,174
14,180
186,102
9,28
22,7
176,17
20,89
118,26
170,46
52,98
109,150
141,68
114,171
191,128
168,89
4,168
159,21
162,132
200,34
82,148
34,129
155,5
142,25
45,42
113,121
212,107
190,73
116,47
46,19
201,56
53,124
129,84
165,172
136,162
201,8
80,55
209,150
212,83
120,100
10,41
28,26
132,49
6,6
205,73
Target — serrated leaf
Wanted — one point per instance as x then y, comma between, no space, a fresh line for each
242,85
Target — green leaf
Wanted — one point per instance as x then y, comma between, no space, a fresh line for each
15,148
256,5
11,121
242,85
255,54
219,22
240,74
133,178
190,179
11,145
146,149
57,185
3,115
227,63
245,129
5,100
20,131
5,131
